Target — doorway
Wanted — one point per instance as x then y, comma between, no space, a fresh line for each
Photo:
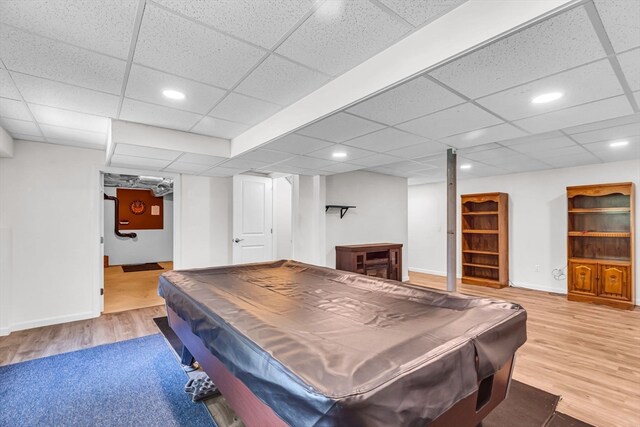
138,218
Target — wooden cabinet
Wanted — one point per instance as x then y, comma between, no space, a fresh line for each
378,260
485,239
601,244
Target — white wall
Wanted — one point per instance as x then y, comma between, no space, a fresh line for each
206,221
537,220
309,223
48,218
148,246
282,193
380,214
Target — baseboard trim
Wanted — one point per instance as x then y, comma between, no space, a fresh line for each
47,322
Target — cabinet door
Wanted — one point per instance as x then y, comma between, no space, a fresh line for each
613,281
582,277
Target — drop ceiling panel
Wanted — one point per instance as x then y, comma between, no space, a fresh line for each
185,167
147,152
455,120
603,124
261,22
581,85
342,168
69,119
281,168
621,19
179,46
156,115
477,148
630,63
103,26
608,134
386,139
602,148
554,45
201,159
574,150
483,136
304,162
7,88
237,163
266,156
375,160
336,42
280,81
145,84
222,172
14,126
244,109
220,128
581,114
573,160
139,162
61,95
407,166
407,101
297,144
42,57
534,147
419,12
340,127
492,156
352,153
418,150
14,109
73,135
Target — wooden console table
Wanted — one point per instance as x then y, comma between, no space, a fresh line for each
376,259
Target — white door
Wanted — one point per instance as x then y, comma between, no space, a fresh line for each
252,219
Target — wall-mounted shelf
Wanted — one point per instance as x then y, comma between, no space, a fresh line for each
343,209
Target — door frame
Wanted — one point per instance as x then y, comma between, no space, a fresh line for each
98,207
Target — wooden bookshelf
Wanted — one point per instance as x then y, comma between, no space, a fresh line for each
600,246
485,241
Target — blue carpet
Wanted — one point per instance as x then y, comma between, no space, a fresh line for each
131,383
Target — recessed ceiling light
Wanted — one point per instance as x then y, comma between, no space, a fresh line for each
173,94
547,97
339,154
465,166
331,9
618,144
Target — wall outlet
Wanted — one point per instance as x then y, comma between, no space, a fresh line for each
537,267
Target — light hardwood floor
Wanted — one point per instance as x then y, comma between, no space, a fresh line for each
129,291
571,350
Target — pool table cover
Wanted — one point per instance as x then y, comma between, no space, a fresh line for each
324,347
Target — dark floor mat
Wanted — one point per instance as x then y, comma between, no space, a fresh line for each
142,267
529,406
563,420
163,324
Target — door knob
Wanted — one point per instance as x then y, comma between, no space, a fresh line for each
237,240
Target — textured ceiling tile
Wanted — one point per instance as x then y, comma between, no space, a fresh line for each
139,162
605,151
42,57
297,144
419,150
244,109
602,124
553,45
105,26
147,152
335,43
455,120
415,98
14,126
376,160
261,22
340,127
156,115
281,81
341,168
61,95
201,159
385,140
219,128
483,136
492,155
420,12
630,63
581,114
621,19
573,160
351,153
608,134
7,88
185,167
578,86
265,156
69,119
543,154
14,109
306,162
74,135
222,172
536,146
242,164
281,168
179,46
147,85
